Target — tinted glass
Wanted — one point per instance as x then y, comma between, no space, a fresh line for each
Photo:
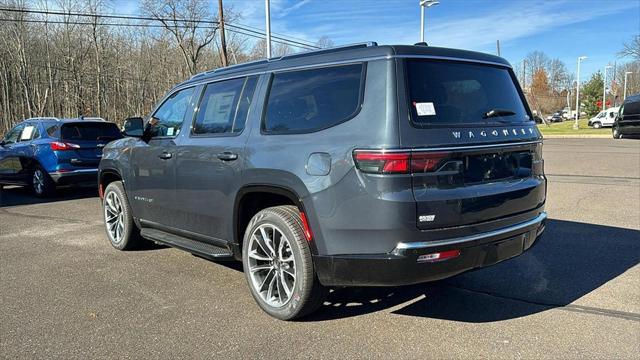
171,113
224,106
448,93
309,100
90,131
632,108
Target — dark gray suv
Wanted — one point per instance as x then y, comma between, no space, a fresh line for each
361,165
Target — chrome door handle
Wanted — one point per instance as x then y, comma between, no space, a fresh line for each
165,156
227,156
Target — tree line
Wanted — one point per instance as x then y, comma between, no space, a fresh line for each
67,58
550,87
72,61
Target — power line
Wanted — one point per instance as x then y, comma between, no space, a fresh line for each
145,26
150,18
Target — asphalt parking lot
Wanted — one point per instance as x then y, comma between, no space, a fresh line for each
66,293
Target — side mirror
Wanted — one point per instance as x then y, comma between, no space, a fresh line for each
133,127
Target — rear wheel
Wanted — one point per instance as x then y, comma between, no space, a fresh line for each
118,219
616,133
41,183
278,265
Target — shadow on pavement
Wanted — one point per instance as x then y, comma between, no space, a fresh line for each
14,195
570,261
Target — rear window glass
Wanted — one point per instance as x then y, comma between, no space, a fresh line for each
90,131
310,100
449,93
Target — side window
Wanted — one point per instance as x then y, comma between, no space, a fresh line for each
224,106
13,136
53,130
310,100
171,114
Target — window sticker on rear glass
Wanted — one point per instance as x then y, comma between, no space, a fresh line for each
425,108
27,132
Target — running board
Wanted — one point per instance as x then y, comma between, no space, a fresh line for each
193,246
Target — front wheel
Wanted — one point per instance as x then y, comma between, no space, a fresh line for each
278,264
118,219
597,125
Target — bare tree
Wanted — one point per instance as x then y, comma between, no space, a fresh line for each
190,36
631,48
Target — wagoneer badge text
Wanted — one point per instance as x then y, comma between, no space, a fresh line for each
492,133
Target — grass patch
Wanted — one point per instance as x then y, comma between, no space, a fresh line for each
566,128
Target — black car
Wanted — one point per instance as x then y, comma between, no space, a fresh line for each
361,165
628,121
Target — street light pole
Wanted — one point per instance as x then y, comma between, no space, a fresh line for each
624,96
267,11
604,85
424,4
575,125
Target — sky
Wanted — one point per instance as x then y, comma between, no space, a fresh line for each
563,29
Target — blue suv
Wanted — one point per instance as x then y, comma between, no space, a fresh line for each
45,152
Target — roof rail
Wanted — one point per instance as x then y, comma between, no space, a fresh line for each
235,66
43,118
291,56
329,50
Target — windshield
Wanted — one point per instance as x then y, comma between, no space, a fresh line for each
90,131
447,92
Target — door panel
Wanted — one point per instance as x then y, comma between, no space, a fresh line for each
12,156
153,162
210,160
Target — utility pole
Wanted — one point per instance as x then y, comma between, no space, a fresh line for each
524,74
575,125
498,46
267,11
223,42
604,86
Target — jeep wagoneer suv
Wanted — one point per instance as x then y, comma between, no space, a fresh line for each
362,165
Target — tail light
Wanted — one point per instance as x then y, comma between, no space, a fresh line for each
381,162
62,146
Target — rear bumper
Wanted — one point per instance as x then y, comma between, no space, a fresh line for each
401,266
74,176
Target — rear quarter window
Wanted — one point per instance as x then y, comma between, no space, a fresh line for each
459,93
304,101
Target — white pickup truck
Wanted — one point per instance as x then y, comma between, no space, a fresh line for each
604,118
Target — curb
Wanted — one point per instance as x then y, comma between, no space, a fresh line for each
586,136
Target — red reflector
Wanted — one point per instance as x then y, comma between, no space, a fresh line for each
100,191
381,162
61,146
439,256
425,162
305,225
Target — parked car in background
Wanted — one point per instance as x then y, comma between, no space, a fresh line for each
43,153
628,120
361,165
555,117
604,118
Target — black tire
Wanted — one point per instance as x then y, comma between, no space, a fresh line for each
307,294
129,234
616,133
597,125
41,183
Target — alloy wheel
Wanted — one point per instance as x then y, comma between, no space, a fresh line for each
38,181
272,267
114,217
